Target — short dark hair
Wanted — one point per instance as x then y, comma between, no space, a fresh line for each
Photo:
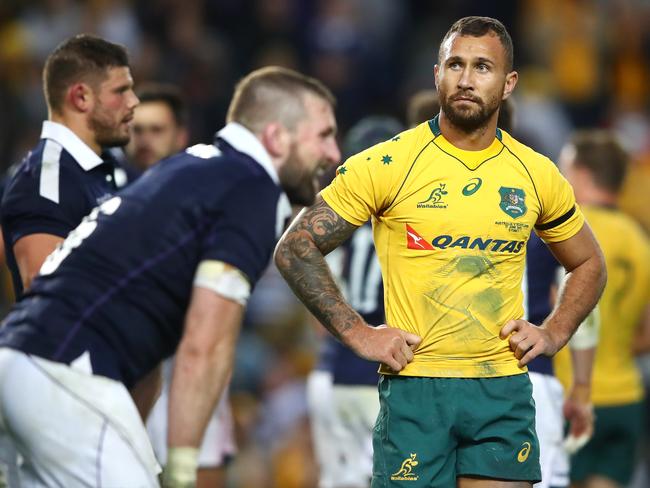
478,27
601,153
83,57
422,106
167,94
273,93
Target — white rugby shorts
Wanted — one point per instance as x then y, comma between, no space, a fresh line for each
549,424
342,419
72,428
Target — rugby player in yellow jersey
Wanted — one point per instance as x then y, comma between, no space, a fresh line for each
595,163
452,202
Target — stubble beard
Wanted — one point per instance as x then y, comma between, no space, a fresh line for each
469,120
107,132
297,183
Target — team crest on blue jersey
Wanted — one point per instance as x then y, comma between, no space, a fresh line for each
513,201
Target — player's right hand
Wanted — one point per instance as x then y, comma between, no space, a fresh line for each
388,345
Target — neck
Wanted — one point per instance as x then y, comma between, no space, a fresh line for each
597,197
475,140
78,125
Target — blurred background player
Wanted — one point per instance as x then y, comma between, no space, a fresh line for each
159,125
89,92
422,106
595,164
159,131
342,391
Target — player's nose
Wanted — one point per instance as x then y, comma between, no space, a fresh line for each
332,152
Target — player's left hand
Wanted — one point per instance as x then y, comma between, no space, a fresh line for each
528,341
578,410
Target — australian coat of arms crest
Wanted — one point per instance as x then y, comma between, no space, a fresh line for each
513,201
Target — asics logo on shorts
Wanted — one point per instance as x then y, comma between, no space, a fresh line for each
525,451
405,471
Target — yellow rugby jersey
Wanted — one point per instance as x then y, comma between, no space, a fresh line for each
616,379
450,228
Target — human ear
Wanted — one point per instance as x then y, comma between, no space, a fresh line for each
276,139
511,82
80,97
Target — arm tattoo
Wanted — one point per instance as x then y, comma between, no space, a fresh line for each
300,257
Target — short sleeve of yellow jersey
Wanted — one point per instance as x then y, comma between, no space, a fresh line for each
364,184
560,217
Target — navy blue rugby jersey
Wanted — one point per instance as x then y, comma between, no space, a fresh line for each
119,285
57,184
363,288
541,273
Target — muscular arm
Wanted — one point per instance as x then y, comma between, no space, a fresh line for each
300,257
584,283
203,365
202,369
30,253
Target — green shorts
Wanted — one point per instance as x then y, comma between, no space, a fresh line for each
613,450
431,430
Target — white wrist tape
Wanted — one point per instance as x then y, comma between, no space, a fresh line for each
224,279
573,444
180,470
588,332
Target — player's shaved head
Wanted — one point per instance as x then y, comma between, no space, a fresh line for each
273,94
479,27
601,153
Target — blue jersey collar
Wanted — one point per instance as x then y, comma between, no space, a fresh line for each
244,141
81,153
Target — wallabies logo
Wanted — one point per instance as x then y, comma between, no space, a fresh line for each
405,472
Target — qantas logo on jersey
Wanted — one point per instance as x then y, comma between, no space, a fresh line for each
445,241
415,240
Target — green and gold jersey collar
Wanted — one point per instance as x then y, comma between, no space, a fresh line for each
471,159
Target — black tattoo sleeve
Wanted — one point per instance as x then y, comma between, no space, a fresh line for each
300,257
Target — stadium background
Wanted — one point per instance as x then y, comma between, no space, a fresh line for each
582,63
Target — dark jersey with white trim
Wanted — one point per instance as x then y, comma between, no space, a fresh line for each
541,272
120,284
364,290
50,193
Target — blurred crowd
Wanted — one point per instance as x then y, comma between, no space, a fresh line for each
582,64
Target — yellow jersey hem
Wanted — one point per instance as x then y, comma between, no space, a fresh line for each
487,369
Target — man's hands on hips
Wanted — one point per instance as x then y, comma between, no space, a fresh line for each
388,345
528,341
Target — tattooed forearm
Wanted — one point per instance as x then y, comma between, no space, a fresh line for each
300,258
